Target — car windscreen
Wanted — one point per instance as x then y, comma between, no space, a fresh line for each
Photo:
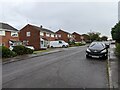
99,46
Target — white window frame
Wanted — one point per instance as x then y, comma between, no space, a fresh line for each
41,34
28,34
52,35
14,33
47,34
2,33
68,35
59,35
56,35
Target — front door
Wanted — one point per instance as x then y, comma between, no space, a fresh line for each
43,44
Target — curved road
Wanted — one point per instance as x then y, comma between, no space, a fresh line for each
66,69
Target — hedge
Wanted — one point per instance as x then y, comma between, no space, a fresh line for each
21,50
79,44
6,52
118,49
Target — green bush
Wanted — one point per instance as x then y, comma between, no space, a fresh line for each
118,49
6,52
71,43
28,51
21,50
79,44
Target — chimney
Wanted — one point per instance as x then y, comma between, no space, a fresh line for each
41,26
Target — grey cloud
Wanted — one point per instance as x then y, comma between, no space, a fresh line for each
79,16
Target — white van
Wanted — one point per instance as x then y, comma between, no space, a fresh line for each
59,43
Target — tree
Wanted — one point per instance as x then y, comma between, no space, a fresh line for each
104,38
116,32
94,36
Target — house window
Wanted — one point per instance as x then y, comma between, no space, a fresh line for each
59,35
68,35
28,34
52,35
47,34
0,44
41,34
14,34
2,33
56,36
42,42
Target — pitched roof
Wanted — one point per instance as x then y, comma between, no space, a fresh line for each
41,29
7,26
63,31
76,33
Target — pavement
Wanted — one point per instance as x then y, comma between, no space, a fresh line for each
68,68
113,68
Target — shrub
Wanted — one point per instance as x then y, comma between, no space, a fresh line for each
79,44
28,51
6,52
20,50
71,42
118,49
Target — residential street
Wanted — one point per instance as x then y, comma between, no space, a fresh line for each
66,69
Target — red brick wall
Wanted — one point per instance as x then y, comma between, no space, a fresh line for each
77,37
64,36
7,37
33,39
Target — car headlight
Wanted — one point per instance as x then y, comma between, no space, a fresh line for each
88,50
104,51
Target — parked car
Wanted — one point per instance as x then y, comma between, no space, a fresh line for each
59,43
107,43
98,50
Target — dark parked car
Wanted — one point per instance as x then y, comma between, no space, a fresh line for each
107,43
97,49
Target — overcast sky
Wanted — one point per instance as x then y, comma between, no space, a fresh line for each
82,16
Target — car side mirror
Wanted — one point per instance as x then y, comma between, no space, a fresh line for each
107,46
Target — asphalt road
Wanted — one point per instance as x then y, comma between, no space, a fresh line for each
66,69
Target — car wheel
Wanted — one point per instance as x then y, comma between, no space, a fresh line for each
87,56
51,46
105,57
63,46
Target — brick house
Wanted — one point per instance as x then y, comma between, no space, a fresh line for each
63,35
35,36
8,35
77,37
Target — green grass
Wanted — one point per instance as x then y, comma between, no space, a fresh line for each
36,52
